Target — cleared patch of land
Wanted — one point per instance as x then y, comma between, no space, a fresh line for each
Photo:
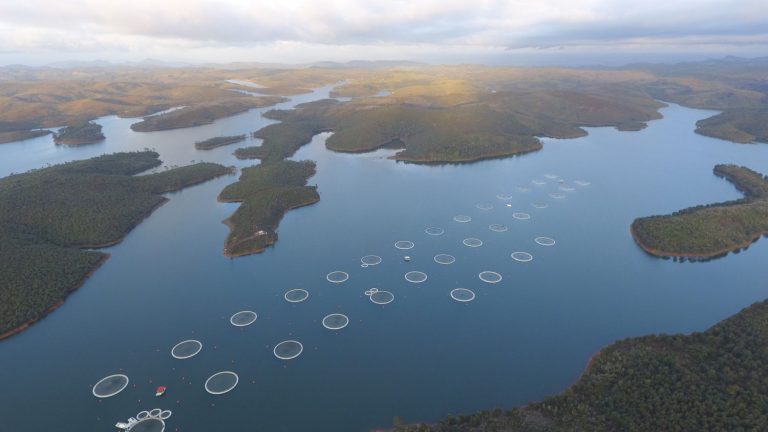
44,230
212,143
711,230
81,134
266,191
714,380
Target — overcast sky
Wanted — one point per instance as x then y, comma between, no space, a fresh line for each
292,31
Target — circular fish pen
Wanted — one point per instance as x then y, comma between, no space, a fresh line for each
484,206
287,350
522,256
382,297
337,277
556,195
540,205
221,382
186,349
566,188
462,218
538,182
462,295
243,318
372,291
472,242
297,295
404,244
490,277
336,321
149,421
434,231
582,183
550,176
445,259
521,215
110,386
523,189
415,277
498,227
371,260
504,196
545,241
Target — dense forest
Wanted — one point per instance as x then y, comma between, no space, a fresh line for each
48,215
202,114
266,191
712,230
710,381
740,125
79,134
212,143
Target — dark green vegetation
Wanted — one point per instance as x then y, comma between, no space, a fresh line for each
710,381
711,230
48,216
267,191
281,140
81,134
6,137
737,125
220,141
201,114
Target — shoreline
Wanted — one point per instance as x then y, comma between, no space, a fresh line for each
693,256
24,326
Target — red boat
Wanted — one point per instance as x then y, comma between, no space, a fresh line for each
160,391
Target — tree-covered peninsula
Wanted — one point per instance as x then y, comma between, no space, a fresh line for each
49,216
710,381
212,143
267,191
711,230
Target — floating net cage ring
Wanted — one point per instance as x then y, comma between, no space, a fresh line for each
287,350
229,381
186,349
462,295
484,206
462,218
110,386
148,424
521,215
490,277
498,227
382,297
371,260
545,241
336,321
415,276
557,195
444,259
296,295
142,415
504,196
522,256
155,412
538,182
404,244
434,231
472,242
540,205
243,318
166,414
337,276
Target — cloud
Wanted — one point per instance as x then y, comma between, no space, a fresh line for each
91,25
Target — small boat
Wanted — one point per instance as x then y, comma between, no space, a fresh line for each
407,258
160,391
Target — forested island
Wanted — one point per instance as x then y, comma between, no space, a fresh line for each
710,381
45,230
202,114
11,136
267,191
79,134
712,230
212,143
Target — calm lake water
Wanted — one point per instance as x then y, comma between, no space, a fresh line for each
424,355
